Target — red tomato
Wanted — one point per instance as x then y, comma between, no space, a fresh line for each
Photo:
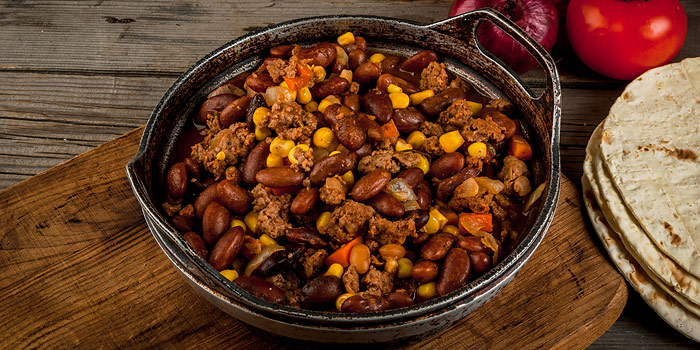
624,38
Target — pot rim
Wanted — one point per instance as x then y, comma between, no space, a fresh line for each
215,281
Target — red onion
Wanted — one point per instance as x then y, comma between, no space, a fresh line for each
537,17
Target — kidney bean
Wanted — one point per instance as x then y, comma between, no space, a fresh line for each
255,161
391,62
421,218
419,61
480,262
176,180
251,247
365,304
365,150
356,57
432,106
454,272
193,168
399,299
330,166
197,243
360,43
352,101
305,236
207,196
370,185
349,132
331,86
335,112
386,79
216,103
184,224
412,176
268,61
279,176
257,101
424,271
422,191
282,51
260,288
378,105
420,238
321,54
446,187
338,66
215,222
473,244
321,291
259,82
233,197
387,205
304,201
366,73
274,264
234,111
502,120
360,258
437,246
450,215
371,127
447,165
226,248
408,119
392,251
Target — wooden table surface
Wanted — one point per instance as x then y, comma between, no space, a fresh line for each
76,74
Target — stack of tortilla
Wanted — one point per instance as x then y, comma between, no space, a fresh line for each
642,190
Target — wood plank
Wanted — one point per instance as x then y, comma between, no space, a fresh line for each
80,269
152,37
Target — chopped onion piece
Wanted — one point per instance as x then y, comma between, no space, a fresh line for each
534,196
227,89
278,94
491,185
411,205
258,259
399,189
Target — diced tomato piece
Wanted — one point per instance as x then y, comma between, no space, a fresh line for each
520,148
473,222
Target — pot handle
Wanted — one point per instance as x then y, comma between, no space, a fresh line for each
463,27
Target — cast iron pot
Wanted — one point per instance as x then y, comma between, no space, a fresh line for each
455,42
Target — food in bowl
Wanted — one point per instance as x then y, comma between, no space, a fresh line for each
334,177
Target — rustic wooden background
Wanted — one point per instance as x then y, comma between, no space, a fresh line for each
75,74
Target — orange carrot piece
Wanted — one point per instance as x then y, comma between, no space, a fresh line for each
389,130
342,255
520,148
473,222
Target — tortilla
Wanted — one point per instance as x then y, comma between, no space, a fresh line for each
684,287
665,306
651,150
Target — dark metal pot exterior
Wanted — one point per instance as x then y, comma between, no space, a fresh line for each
454,39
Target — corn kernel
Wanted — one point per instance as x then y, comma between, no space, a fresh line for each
427,290
266,240
399,100
440,217
402,145
335,270
324,104
451,229
477,150
392,88
391,266
342,149
322,221
346,39
346,74
293,92
311,107
423,163
377,58
319,73
273,160
333,153
349,178
230,275
221,155
304,95
436,221
262,133
419,96
323,137
281,147
416,139
475,106
259,113
236,222
451,141
341,299
405,267
302,147
333,99
251,221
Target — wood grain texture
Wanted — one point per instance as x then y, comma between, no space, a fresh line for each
81,252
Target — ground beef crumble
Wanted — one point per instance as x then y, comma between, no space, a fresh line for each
500,105
305,159
334,190
456,116
348,221
481,130
385,157
431,129
291,122
289,284
235,142
351,280
432,146
273,211
312,262
433,77
385,231
377,282
280,69
514,176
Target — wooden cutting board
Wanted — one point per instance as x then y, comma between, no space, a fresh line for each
79,268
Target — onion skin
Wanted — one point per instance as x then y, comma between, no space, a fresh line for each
538,18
